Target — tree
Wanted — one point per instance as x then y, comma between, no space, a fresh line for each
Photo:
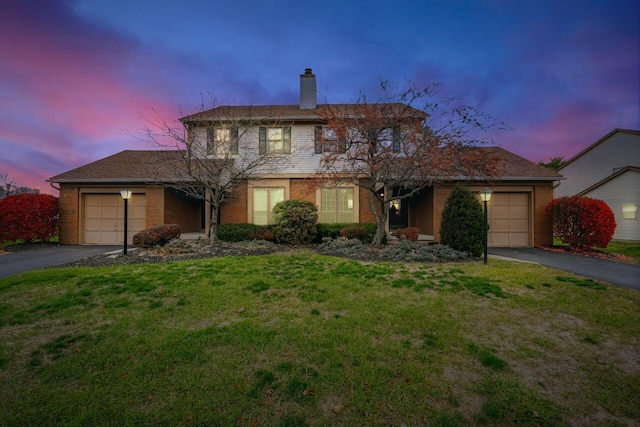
554,163
582,222
403,142
28,217
462,226
9,187
215,152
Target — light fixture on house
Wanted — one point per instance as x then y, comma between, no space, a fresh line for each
485,196
126,195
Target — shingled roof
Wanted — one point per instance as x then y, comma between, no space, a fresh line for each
514,167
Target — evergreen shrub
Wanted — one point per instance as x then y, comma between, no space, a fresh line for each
294,222
462,226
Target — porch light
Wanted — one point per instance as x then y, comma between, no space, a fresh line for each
126,195
485,195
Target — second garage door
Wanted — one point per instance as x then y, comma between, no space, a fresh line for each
509,219
104,218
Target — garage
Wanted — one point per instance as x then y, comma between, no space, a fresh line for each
509,222
104,214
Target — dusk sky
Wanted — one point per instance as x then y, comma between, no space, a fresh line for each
75,73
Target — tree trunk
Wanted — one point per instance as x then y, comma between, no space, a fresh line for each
213,220
380,211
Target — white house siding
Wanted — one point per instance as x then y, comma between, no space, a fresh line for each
624,189
617,151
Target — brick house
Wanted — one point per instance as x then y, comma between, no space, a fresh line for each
91,209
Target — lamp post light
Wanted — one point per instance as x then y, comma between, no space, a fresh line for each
485,195
126,195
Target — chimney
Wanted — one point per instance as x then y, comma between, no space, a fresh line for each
308,90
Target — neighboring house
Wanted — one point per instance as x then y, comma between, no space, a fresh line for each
609,170
91,209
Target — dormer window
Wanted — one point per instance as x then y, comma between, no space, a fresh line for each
220,139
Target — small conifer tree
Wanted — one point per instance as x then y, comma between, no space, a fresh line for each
462,226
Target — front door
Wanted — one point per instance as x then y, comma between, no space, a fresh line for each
399,214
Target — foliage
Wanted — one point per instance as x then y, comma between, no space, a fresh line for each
554,163
582,222
156,236
408,251
409,233
28,217
462,225
295,222
236,232
334,231
352,232
262,233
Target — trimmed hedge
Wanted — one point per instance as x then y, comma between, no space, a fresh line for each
334,231
236,232
156,236
28,217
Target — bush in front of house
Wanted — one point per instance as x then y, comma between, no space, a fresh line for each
408,251
409,233
582,222
462,226
28,217
353,232
294,222
335,231
236,232
156,236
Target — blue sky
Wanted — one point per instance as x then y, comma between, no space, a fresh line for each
74,73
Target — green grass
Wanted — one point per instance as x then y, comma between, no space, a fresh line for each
629,250
301,339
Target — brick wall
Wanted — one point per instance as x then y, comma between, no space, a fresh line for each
440,195
366,214
69,224
421,215
182,210
155,206
234,207
302,189
543,223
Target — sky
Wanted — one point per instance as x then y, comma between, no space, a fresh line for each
75,75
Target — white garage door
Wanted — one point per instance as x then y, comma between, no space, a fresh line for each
104,218
509,219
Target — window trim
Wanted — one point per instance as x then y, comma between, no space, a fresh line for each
263,146
232,142
265,183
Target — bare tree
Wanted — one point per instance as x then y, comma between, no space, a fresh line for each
401,143
216,150
9,187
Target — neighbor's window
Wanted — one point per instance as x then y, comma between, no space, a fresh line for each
629,211
264,199
275,140
219,138
336,205
326,141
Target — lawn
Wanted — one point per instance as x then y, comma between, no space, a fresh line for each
301,339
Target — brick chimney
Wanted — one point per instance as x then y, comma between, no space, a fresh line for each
308,90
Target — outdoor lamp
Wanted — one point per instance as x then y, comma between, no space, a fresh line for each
485,195
126,195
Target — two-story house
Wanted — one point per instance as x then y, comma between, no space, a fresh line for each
295,139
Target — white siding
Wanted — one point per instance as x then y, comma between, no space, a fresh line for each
619,150
624,189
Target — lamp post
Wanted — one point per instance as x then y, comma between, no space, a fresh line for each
485,195
126,195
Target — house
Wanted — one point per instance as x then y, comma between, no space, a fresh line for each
91,209
609,170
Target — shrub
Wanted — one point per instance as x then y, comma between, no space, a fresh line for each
462,225
408,251
261,233
236,232
28,217
294,221
156,236
352,232
409,233
334,231
582,222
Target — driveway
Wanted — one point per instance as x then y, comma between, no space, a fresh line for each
23,261
617,273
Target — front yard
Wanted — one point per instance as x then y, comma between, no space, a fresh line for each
303,339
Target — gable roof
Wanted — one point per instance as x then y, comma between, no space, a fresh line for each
292,112
598,142
128,166
609,178
158,166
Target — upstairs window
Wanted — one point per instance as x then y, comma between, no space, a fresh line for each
274,140
387,138
220,139
326,141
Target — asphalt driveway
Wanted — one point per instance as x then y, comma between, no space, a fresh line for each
617,273
23,261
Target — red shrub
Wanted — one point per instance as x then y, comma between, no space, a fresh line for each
353,232
156,236
410,233
582,222
261,233
28,217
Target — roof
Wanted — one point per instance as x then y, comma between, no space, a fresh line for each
292,112
128,166
165,165
598,142
609,178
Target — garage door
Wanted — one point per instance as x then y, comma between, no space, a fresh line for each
509,219
104,218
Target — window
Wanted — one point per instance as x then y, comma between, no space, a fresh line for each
326,141
222,137
264,199
386,138
275,140
336,205
629,211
